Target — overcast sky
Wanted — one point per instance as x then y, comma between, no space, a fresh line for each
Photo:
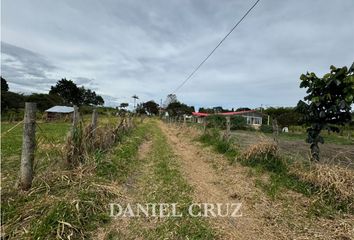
122,48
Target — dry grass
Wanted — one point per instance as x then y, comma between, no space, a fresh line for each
83,140
264,149
331,180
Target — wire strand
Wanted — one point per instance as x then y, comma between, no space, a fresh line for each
218,45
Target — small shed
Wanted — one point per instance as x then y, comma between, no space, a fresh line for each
59,112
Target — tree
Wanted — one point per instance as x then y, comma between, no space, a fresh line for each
45,101
72,94
124,105
68,90
4,85
285,116
178,109
241,109
328,103
10,100
90,97
151,107
171,98
140,109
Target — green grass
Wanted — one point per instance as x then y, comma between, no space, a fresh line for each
333,138
212,138
65,203
122,163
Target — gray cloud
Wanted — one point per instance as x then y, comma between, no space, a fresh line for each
121,48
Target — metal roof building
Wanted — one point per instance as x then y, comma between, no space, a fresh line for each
58,112
60,109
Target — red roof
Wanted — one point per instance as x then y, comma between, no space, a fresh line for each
199,114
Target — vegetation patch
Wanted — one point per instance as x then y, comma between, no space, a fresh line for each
330,186
69,204
213,138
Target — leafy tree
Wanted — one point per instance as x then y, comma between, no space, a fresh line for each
89,97
206,110
285,116
328,103
151,107
178,109
68,90
124,105
171,98
45,101
4,85
140,109
243,109
11,100
72,94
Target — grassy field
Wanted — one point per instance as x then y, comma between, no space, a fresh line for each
61,202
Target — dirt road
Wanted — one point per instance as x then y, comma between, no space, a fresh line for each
215,180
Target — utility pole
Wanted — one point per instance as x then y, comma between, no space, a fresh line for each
135,97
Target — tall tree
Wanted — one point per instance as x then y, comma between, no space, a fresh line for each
171,98
178,109
68,90
72,94
328,103
4,85
151,107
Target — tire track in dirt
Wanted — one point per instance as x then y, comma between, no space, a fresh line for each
211,187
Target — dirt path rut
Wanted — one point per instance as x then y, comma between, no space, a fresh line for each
230,187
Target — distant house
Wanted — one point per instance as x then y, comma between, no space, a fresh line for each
58,112
252,116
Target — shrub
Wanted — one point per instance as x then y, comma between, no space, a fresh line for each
238,123
216,121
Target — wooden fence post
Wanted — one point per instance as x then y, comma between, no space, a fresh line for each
28,146
275,130
204,125
94,124
228,128
75,120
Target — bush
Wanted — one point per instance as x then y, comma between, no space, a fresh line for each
238,123
219,121
266,128
216,121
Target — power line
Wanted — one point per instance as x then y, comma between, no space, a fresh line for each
222,40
